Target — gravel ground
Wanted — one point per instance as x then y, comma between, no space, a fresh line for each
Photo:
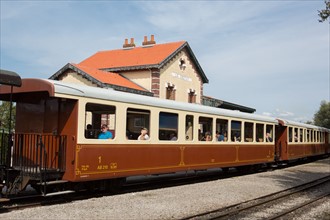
182,201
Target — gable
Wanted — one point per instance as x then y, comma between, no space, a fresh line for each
101,78
137,58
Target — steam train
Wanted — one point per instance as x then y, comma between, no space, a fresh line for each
55,146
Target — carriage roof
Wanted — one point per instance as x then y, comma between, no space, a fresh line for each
110,94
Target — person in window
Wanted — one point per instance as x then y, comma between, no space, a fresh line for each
221,137
268,138
89,133
144,134
173,137
105,133
208,136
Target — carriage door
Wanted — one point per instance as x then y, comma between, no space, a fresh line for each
280,142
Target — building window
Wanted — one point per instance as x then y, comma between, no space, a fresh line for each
182,64
170,91
191,96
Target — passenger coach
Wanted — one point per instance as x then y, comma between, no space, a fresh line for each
56,145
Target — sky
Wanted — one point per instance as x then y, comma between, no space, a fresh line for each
269,55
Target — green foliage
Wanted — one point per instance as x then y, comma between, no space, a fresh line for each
322,117
5,115
325,13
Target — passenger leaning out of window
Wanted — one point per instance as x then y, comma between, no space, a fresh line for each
105,133
268,137
144,134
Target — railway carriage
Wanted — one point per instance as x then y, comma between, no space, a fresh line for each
55,145
297,140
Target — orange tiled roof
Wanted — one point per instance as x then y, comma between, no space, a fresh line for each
137,56
108,77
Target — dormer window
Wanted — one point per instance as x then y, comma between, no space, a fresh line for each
182,64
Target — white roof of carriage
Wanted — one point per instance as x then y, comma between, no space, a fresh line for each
110,94
299,124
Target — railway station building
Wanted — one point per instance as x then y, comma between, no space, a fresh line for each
167,71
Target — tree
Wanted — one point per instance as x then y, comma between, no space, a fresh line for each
5,115
322,116
325,13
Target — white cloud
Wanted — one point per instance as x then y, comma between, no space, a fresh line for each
263,54
267,114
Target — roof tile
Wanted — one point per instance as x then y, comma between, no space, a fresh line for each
108,77
137,56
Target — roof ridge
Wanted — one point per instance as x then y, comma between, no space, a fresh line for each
142,46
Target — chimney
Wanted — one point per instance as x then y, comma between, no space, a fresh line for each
150,42
129,45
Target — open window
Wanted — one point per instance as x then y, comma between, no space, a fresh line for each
168,126
222,130
259,132
269,133
236,131
97,115
205,129
136,120
248,132
189,127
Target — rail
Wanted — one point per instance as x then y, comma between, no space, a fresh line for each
235,210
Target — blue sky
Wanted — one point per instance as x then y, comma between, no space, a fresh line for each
269,55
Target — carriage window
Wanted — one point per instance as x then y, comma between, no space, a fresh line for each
136,120
222,129
308,136
236,131
269,133
168,126
290,135
189,127
260,133
315,136
97,116
295,135
301,135
321,137
248,132
205,129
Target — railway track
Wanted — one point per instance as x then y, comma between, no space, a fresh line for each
272,206
153,182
